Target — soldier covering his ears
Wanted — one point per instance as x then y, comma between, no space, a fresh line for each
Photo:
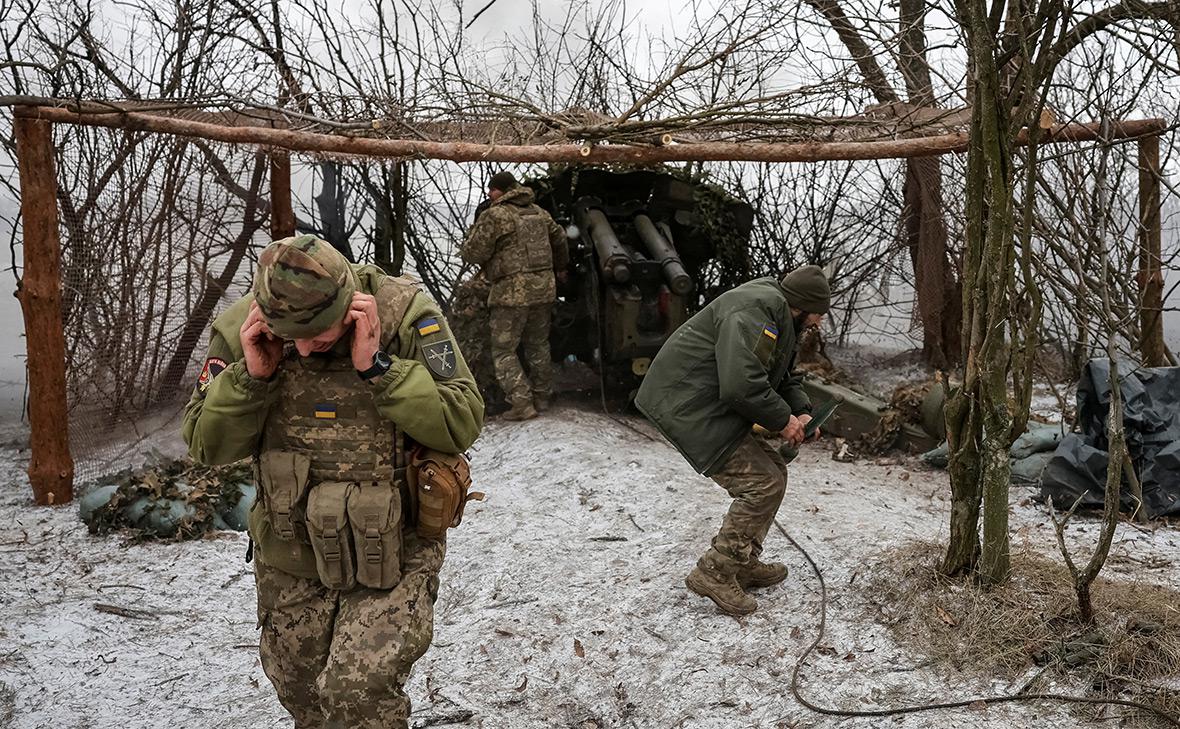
326,375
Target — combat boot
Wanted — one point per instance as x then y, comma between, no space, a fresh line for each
722,589
542,402
521,412
761,574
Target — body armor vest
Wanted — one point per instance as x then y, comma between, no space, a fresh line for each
332,469
328,414
528,250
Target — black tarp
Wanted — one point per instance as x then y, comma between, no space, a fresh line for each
1151,400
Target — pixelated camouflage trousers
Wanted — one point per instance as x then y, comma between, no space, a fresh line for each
755,475
340,660
512,327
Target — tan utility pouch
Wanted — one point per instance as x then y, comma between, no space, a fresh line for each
284,476
375,515
441,482
331,538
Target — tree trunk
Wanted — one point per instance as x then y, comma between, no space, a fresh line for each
331,205
936,290
978,418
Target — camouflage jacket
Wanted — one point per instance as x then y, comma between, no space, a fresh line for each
519,247
227,414
723,370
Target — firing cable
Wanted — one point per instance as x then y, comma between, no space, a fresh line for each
917,708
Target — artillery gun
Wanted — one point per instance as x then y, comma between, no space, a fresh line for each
642,246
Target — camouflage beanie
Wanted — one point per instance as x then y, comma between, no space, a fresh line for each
807,289
303,286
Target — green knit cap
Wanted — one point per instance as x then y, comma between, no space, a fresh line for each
303,286
807,289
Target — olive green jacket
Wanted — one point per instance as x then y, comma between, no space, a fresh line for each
224,419
723,370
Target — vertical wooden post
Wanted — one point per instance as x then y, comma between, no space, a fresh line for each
51,467
282,215
1150,278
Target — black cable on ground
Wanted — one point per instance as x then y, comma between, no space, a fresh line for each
916,708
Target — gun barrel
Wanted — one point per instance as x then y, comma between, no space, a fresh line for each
616,264
661,250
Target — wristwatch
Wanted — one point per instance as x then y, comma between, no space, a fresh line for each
381,365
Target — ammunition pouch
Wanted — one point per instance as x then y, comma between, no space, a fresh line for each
374,515
284,478
441,485
331,538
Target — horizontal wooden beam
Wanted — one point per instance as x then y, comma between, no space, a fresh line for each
352,146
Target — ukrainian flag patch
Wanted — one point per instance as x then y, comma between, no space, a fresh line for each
428,326
325,411
770,331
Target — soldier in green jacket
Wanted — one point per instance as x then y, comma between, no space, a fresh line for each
725,370
519,247
325,376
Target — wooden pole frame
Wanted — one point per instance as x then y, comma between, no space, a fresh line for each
1151,278
282,215
51,466
352,146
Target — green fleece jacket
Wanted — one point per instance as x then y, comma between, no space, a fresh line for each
723,370
224,419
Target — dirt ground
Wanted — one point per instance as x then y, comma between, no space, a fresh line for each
562,603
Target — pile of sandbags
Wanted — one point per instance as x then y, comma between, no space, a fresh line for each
171,499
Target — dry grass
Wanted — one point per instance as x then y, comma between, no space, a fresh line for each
1133,652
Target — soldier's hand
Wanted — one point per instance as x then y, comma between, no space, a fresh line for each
263,350
366,330
805,419
793,433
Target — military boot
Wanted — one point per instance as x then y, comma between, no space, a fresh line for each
761,574
722,589
542,402
521,412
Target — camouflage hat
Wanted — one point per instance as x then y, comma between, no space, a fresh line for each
303,286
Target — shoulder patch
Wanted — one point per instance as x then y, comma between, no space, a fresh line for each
440,357
214,366
426,326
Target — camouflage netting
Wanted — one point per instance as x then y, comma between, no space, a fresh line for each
171,499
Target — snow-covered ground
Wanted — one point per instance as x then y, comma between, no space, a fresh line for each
562,603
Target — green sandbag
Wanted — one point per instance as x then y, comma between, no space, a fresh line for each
938,457
133,513
1037,438
1027,471
166,517
93,501
238,517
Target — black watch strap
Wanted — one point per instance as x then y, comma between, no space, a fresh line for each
381,365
